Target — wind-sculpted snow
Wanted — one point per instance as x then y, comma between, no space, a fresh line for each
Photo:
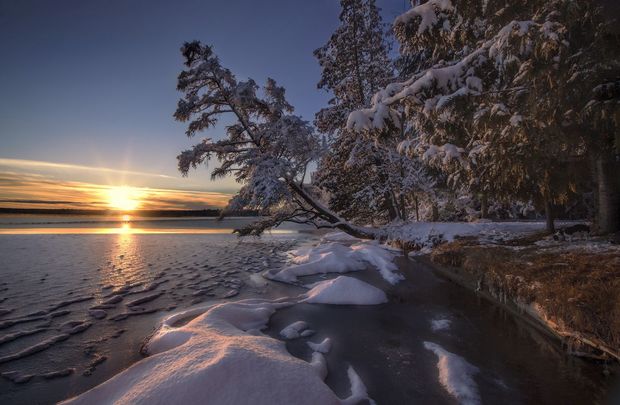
456,375
195,363
345,290
87,300
335,257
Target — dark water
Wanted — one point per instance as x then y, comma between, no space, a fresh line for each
517,365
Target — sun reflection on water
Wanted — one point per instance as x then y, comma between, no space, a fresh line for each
126,264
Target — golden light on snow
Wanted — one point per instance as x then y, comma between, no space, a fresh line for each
123,198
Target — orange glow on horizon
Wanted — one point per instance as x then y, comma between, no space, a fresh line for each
124,198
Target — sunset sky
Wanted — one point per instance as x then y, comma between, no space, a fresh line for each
88,91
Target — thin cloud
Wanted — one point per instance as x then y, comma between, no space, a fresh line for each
21,190
23,163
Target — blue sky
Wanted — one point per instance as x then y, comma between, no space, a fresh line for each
93,82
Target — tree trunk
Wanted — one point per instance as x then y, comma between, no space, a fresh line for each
403,208
329,216
549,214
484,206
435,216
392,211
417,208
608,194
358,75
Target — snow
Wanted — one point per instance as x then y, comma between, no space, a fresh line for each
336,257
456,375
429,234
345,290
339,237
190,363
440,324
427,12
293,331
381,258
437,86
325,258
324,347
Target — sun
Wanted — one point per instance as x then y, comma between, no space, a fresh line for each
123,198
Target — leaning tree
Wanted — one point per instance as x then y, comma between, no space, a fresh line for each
266,148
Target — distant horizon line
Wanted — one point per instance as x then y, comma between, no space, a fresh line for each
107,212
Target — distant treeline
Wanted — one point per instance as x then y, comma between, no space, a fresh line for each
137,213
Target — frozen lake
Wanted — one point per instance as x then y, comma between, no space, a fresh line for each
80,297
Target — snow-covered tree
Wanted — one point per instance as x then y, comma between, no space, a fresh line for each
364,180
489,109
266,148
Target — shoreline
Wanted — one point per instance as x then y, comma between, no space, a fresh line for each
529,310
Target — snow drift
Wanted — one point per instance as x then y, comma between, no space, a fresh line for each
335,257
220,357
345,290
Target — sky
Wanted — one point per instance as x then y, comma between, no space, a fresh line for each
86,85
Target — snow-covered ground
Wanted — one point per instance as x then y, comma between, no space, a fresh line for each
335,257
426,235
189,363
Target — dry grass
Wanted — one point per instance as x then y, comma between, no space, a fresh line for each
578,290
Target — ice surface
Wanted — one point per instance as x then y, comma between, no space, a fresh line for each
456,375
345,290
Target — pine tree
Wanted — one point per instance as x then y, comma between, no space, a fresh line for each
355,64
492,110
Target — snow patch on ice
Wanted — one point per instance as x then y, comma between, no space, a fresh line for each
335,257
456,375
345,290
324,347
293,331
440,324
190,363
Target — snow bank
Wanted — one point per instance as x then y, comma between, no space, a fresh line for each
456,375
220,357
325,258
345,290
429,234
381,258
335,257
